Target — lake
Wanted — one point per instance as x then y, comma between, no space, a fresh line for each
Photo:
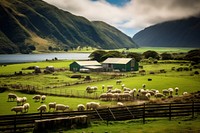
19,58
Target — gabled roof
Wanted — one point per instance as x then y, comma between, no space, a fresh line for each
117,60
88,63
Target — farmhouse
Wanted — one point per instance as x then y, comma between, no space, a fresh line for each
120,64
85,66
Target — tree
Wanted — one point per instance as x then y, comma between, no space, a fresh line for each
97,55
193,55
152,54
166,56
137,56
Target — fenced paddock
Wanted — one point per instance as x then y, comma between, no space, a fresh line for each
19,122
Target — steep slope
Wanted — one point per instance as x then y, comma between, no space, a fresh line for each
35,24
179,33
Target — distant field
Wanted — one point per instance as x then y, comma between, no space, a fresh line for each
158,49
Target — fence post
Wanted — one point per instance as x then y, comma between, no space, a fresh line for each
15,124
108,116
170,112
144,114
192,109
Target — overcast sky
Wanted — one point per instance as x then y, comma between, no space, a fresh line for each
130,16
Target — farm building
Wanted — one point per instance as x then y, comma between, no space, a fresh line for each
121,64
85,66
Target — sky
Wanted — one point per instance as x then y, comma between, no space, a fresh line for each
130,16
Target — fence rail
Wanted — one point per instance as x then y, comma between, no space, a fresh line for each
14,123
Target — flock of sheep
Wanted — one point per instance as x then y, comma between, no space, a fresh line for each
22,106
125,94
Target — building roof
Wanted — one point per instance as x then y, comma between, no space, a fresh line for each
117,60
88,63
94,67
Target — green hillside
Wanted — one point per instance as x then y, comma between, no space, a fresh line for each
35,25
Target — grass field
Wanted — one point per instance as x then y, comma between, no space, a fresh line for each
176,125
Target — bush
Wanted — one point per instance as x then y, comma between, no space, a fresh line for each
196,72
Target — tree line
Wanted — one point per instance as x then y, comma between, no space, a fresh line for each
101,55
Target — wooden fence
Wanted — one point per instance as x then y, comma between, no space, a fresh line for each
15,123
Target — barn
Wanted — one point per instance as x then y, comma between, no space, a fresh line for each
85,66
120,64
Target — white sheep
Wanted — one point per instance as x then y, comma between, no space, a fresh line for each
21,100
61,107
43,98
171,90
109,87
165,92
148,95
26,107
123,85
176,90
159,95
42,108
52,105
80,107
17,109
92,105
120,104
103,96
185,93
37,97
12,96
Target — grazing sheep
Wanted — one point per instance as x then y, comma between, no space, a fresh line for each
12,96
171,91
37,97
26,107
148,95
103,96
151,92
127,89
43,98
159,95
165,92
92,105
109,87
61,107
17,109
21,100
90,89
185,93
116,91
80,107
52,105
118,82
42,108
120,104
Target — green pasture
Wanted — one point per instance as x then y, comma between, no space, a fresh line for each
158,49
12,68
176,125
71,102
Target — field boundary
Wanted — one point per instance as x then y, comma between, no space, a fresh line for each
19,122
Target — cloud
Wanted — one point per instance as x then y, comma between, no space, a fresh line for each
135,14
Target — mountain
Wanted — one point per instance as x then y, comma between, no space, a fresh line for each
177,33
27,25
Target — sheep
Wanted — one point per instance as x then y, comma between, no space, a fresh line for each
171,91
143,86
185,93
61,107
116,91
127,89
159,95
118,82
176,90
37,97
90,89
103,96
166,92
52,105
80,107
42,108
123,85
92,105
43,98
17,109
151,92
120,104
148,95
109,87
21,100
26,107
12,96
